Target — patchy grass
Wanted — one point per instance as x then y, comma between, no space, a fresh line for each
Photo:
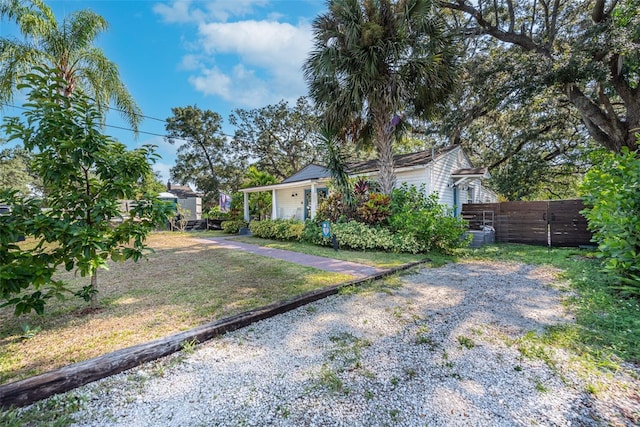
607,324
375,259
183,284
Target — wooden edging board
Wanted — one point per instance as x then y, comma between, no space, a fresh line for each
30,390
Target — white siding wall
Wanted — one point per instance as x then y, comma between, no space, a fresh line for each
441,176
288,206
416,177
437,177
484,195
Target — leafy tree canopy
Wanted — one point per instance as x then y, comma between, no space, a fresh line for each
204,154
585,53
15,170
375,61
281,139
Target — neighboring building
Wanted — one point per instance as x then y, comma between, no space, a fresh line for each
187,199
447,172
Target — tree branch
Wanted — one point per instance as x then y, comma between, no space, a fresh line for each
512,15
485,27
597,14
601,127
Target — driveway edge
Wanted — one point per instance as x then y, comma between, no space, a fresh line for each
30,390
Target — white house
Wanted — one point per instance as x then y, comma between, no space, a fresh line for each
447,172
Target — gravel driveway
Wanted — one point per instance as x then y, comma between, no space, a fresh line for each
442,349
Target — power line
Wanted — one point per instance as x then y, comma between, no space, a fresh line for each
132,130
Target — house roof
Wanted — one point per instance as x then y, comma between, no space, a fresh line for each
469,171
182,191
399,161
311,171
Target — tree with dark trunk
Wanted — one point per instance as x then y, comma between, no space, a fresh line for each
588,52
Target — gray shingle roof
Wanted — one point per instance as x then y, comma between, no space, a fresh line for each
470,171
182,191
309,172
399,160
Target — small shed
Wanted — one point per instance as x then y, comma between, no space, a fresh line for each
188,199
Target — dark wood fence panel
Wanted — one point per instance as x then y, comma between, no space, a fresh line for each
523,222
533,223
566,225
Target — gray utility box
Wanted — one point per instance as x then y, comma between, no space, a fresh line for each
481,237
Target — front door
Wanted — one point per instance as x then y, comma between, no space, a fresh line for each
322,194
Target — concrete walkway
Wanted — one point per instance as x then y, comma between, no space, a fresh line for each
322,263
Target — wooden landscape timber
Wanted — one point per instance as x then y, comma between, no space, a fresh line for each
27,391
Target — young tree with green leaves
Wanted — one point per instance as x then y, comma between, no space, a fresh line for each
67,46
376,61
611,193
84,175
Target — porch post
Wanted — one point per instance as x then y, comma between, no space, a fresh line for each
274,205
246,206
314,200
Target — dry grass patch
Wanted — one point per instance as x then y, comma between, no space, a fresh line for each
185,283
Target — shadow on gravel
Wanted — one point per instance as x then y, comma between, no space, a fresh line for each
442,350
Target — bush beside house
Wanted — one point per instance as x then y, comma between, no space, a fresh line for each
406,221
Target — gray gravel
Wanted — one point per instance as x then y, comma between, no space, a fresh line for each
441,350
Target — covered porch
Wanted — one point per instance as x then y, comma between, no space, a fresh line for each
291,200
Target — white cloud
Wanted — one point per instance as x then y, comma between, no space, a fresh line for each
178,12
163,170
249,63
190,62
269,61
187,11
267,44
212,82
240,86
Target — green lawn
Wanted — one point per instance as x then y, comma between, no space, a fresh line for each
185,283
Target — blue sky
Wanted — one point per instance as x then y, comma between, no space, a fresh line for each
217,54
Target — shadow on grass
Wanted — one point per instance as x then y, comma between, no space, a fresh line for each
182,285
607,328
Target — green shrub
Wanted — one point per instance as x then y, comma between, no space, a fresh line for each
374,210
312,233
428,222
359,236
333,209
611,192
215,213
233,227
280,229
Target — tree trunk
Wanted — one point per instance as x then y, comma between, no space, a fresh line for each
384,147
94,289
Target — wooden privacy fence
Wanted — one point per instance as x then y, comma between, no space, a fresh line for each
553,222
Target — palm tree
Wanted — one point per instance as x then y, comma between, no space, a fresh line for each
67,47
377,61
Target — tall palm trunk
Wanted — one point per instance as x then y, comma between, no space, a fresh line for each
384,146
